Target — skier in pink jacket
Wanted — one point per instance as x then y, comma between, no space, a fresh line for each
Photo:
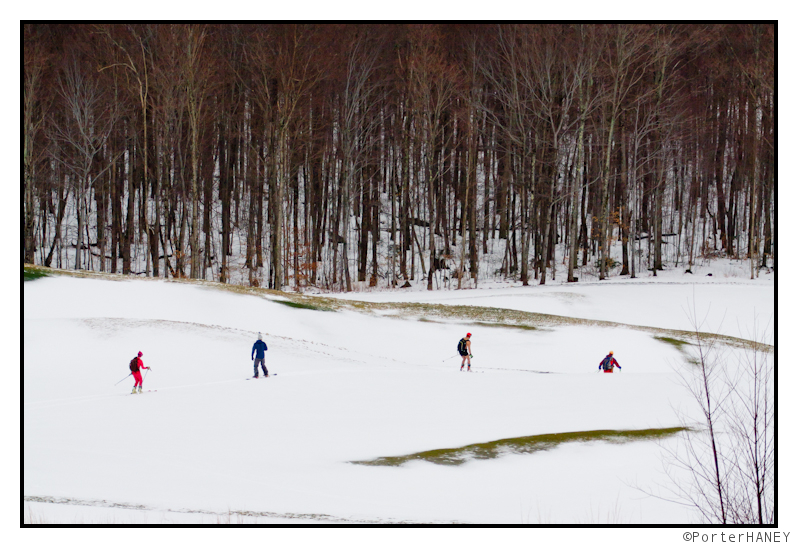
136,365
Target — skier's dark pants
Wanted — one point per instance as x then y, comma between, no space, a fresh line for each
260,361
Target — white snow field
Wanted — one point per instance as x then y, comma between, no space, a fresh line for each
209,446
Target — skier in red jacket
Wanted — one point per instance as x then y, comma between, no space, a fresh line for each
608,363
135,366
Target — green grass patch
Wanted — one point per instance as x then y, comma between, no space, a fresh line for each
509,325
678,343
527,444
30,273
306,306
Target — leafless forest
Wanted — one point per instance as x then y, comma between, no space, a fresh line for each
323,155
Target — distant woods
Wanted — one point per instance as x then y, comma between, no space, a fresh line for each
330,155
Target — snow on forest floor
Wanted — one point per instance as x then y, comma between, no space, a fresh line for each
353,385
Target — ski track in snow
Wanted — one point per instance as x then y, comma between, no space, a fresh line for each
119,324
295,346
322,518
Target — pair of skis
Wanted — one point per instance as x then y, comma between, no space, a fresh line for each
142,392
262,376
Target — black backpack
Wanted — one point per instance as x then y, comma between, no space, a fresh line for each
607,363
134,364
461,347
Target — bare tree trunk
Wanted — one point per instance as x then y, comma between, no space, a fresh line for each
527,176
34,113
576,187
276,206
195,78
623,214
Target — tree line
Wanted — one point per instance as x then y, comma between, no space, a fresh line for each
297,155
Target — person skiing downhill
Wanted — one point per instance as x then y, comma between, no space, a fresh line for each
136,365
464,349
609,362
258,355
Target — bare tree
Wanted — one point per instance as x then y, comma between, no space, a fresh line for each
169,111
432,85
35,109
285,62
136,60
89,119
752,429
555,83
196,76
359,122
626,63
586,61
503,66
728,450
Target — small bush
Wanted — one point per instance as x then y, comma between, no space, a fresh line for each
608,261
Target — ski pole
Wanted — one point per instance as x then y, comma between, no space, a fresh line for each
450,357
125,377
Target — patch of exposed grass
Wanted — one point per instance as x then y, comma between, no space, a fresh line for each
30,273
509,325
527,444
678,343
306,306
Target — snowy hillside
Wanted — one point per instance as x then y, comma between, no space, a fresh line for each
352,385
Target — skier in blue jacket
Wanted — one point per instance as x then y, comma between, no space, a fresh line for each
258,350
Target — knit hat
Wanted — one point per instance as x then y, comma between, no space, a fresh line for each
140,354
260,337
468,334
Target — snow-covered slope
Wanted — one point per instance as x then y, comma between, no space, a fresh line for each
349,387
